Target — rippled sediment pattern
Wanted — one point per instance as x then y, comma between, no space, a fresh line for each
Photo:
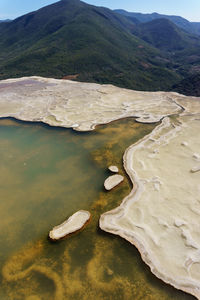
46,174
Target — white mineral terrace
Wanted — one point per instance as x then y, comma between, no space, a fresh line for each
113,181
161,216
113,169
73,224
80,105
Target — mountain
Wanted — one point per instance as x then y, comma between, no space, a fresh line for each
3,21
196,27
191,27
189,86
178,39
72,38
165,35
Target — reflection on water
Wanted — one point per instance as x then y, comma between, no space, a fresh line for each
46,174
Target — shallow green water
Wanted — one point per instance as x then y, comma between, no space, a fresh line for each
46,174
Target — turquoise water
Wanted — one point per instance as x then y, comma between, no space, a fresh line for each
47,174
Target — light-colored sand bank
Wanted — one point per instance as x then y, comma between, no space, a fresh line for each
80,105
72,224
161,216
113,181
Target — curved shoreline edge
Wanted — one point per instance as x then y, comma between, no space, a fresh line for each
55,102
118,221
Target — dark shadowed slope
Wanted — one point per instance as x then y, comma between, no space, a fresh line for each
165,35
189,86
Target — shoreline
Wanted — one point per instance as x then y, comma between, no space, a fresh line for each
120,211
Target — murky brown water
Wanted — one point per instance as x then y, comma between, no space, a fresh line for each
46,174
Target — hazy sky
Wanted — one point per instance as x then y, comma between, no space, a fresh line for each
190,9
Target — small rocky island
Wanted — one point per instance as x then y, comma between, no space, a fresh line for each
113,181
113,169
74,223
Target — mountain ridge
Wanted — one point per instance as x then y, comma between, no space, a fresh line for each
190,27
165,35
73,39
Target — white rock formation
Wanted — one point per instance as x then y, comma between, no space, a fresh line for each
113,181
161,216
73,224
113,169
80,105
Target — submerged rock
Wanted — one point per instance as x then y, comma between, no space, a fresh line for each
72,224
113,181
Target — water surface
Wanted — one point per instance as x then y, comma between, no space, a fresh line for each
47,174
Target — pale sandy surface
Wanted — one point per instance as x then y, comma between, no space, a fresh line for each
73,224
80,105
113,181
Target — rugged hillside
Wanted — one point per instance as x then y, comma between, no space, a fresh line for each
191,27
196,26
189,86
73,38
180,47
164,35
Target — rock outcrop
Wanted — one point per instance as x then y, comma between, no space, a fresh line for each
113,169
80,105
71,225
113,181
